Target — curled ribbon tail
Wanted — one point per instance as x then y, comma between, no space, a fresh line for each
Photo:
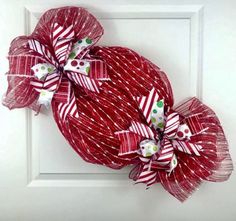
69,108
147,176
63,92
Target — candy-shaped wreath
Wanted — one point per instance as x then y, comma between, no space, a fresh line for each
113,106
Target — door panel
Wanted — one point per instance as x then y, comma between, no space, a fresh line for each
42,178
174,55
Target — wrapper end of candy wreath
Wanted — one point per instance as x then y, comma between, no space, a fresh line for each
115,107
178,148
57,50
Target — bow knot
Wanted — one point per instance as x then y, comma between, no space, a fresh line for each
60,69
68,61
158,141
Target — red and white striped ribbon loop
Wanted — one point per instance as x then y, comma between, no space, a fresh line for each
141,129
172,124
147,176
165,155
65,96
61,39
42,50
50,83
187,147
84,81
69,108
62,50
146,103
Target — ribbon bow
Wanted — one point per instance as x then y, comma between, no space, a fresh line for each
157,141
66,62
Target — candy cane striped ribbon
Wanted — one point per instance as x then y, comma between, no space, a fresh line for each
165,155
141,129
147,176
61,38
146,103
172,124
50,83
187,147
84,81
68,108
42,50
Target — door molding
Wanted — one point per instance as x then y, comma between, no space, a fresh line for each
194,13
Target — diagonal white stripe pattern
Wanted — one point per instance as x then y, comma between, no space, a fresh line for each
69,108
172,124
42,50
146,103
61,39
141,129
187,147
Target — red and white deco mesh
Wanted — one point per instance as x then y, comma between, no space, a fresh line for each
92,134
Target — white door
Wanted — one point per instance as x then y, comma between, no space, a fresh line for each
42,178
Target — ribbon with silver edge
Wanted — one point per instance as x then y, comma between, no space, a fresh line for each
70,63
157,141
